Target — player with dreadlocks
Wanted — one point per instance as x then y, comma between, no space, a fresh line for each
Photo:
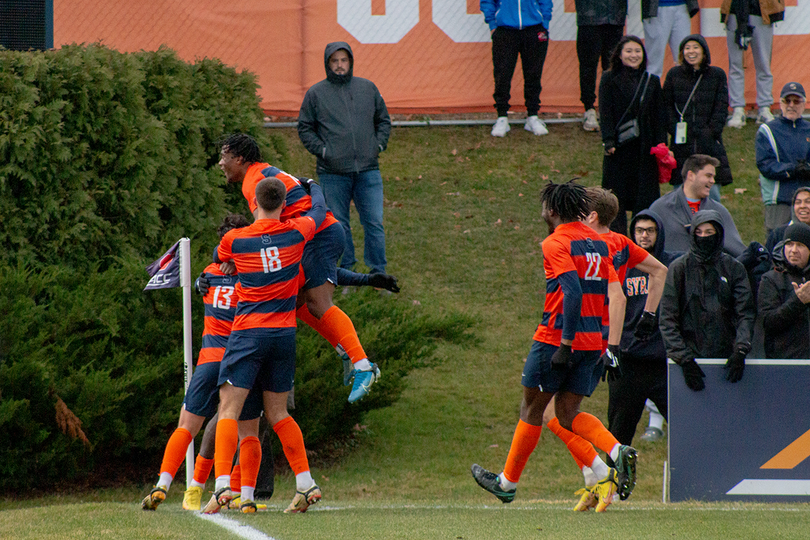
565,361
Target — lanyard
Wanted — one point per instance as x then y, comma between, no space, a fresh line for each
681,112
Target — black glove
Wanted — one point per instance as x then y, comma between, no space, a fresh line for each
743,36
561,357
202,284
611,360
646,326
735,365
802,170
693,375
306,183
383,281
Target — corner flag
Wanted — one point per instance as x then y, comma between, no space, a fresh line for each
165,271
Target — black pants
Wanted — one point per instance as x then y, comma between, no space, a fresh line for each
593,43
532,44
641,379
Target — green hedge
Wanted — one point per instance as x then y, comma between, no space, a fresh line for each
106,159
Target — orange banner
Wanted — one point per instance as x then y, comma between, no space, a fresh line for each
424,55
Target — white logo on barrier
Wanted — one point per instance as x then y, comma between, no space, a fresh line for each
399,19
452,18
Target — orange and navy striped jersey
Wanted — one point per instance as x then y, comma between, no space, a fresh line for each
296,202
267,255
220,306
624,255
576,248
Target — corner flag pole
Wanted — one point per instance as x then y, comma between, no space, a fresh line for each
185,283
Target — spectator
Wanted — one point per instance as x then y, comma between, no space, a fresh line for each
633,121
600,26
344,122
665,21
801,213
750,22
784,297
677,207
782,149
644,359
707,310
696,98
518,28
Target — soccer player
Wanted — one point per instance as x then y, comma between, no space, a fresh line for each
261,348
202,397
624,255
564,362
241,162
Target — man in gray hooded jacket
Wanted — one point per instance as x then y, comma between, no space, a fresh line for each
343,121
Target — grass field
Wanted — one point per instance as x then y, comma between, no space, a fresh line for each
463,229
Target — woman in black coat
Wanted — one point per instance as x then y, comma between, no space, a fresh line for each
704,114
628,92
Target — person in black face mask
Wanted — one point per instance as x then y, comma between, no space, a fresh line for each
707,310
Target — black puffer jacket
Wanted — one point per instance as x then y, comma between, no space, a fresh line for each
707,309
785,318
705,116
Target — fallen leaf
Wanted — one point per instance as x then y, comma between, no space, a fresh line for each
740,190
467,231
457,214
417,303
493,446
420,176
454,151
544,176
498,222
520,194
517,227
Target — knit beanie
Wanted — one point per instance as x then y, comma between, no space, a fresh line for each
798,232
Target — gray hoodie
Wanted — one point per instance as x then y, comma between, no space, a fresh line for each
343,120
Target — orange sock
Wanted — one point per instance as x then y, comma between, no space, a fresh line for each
591,429
581,450
292,442
236,476
250,457
341,326
202,469
524,442
304,315
225,446
175,451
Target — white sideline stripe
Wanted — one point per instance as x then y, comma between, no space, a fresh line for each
238,528
771,487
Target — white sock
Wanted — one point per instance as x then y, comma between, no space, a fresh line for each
590,477
656,420
506,484
599,468
614,453
194,483
165,480
247,493
362,365
303,481
223,481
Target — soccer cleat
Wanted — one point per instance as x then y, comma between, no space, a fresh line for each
652,434
737,119
590,123
303,500
248,507
220,498
492,483
362,383
626,469
155,497
604,490
192,498
536,126
501,127
235,502
765,115
587,500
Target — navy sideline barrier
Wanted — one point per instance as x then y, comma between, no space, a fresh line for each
747,441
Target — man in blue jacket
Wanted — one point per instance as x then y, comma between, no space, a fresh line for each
344,123
783,148
518,27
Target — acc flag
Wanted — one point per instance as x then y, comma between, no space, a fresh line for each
165,271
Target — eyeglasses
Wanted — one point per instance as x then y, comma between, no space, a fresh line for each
649,230
792,100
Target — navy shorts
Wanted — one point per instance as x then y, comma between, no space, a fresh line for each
321,255
268,361
202,396
580,379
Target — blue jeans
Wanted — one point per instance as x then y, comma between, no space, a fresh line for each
366,190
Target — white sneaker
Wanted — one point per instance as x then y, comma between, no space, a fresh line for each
536,126
590,122
765,115
737,119
501,127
